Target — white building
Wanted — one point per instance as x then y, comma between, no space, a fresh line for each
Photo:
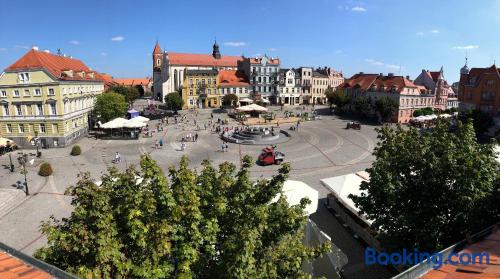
290,89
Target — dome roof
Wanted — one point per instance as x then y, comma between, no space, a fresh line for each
464,70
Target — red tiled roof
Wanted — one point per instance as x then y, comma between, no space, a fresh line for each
272,61
478,72
157,49
366,81
229,78
54,64
491,245
133,81
191,59
11,267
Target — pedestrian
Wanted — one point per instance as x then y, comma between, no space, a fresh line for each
157,144
225,146
205,125
212,115
161,143
183,146
117,157
196,137
222,147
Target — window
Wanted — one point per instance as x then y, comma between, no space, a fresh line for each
51,91
24,77
38,92
21,128
54,128
53,109
6,110
39,109
4,93
209,91
26,92
19,110
190,91
9,128
215,81
203,82
42,128
16,93
157,62
191,82
490,82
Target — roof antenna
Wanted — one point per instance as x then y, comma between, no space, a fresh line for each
59,51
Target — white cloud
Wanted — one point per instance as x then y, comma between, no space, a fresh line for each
358,9
420,33
379,63
74,42
235,44
467,47
3,49
118,39
431,32
104,54
272,49
435,31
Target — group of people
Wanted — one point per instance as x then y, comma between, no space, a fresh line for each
190,137
224,146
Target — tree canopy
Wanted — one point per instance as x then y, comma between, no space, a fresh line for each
482,121
386,107
110,105
229,100
131,93
173,101
428,190
338,98
362,105
215,223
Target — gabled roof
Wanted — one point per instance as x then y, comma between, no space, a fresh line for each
157,49
191,59
478,73
271,61
54,64
366,81
232,78
133,81
318,75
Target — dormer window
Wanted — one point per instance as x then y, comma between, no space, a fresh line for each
23,77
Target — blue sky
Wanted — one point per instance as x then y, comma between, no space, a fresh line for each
117,37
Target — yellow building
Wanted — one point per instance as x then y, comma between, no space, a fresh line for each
200,89
47,96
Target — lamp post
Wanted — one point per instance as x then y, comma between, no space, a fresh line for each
23,159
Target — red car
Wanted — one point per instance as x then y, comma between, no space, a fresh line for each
270,156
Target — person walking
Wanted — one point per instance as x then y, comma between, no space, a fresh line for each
161,143
117,157
196,137
183,146
222,147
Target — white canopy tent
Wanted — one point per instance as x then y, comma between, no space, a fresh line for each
344,185
132,123
115,123
140,118
252,107
265,101
245,100
294,191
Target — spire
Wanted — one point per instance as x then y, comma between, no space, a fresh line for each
465,69
215,50
157,49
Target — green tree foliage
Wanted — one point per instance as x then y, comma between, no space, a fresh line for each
131,93
429,190
229,100
386,107
423,111
215,223
362,105
173,101
75,150
110,105
45,169
338,98
481,120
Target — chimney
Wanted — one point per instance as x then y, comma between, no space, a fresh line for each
361,73
408,78
381,74
390,74
34,48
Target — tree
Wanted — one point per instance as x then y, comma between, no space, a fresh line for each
386,107
129,92
362,105
110,105
229,100
338,98
174,101
428,190
215,223
482,121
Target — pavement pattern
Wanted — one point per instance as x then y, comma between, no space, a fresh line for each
318,149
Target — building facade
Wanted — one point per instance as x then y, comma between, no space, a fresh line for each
479,89
169,68
200,89
319,87
306,84
410,97
263,74
47,97
234,82
290,90
436,83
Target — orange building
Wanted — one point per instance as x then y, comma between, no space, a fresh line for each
479,89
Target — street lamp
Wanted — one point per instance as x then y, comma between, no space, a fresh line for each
23,159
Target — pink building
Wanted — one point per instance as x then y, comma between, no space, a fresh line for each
408,95
435,83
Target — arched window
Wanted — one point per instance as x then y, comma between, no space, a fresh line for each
158,62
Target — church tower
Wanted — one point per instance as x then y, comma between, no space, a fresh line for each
157,65
215,51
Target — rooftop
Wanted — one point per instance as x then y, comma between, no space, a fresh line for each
133,81
232,78
191,59
368,81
